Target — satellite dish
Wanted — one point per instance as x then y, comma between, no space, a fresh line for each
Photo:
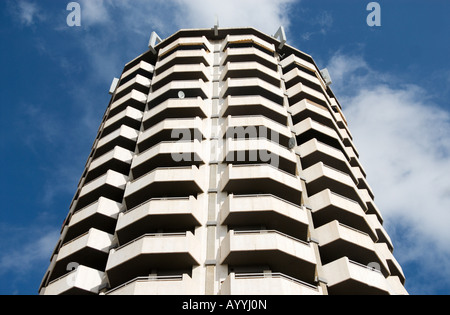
292,143
181,95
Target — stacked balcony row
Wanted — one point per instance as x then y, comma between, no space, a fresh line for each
156,230
87,233
347,221
151,167
267,225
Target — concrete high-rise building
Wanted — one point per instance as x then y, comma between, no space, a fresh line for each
223,165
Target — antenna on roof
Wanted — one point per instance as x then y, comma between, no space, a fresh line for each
216,26
281,36
154,40
113,87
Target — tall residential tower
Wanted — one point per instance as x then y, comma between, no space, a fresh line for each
223,165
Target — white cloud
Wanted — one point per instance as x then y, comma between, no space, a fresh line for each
36,250
94,11
319,24
404,144
28,12
265,15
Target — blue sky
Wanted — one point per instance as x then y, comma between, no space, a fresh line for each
393,82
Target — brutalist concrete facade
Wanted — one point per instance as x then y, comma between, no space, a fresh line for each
223,165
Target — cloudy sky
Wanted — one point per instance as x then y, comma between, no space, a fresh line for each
393,82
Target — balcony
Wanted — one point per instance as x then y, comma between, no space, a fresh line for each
185,57
254,105
180,72
266,284
142,68
354,159
394,267
82,281
101,215
346,277
362,181
161,182
187,129
248,54
328,206
139,83
239,41
293,60
310,129
320,177
300,92
157,285
254,151
190,89
130,117
167,154
337,240
252,86
111,185
396,287
307,109
261,179
255,127
279,251
371,206
250,69
299,75
185,43
337,113
118,159
175,108
133,99
124,137
90,249
314,151
168,251
156,214
383,237
264,210
347,138
342,124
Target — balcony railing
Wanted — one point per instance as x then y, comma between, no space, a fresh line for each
157,285
80,281
281,252
261,179
160,182
254,105
266,283
246,54
345,276
169,252
250,70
